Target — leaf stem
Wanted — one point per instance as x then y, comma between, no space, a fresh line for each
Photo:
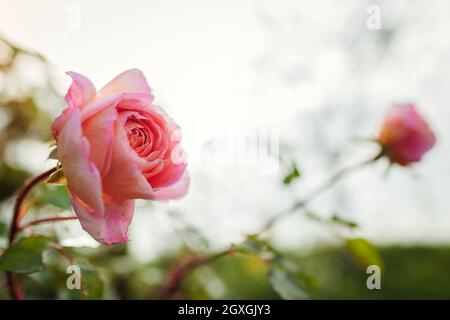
46,220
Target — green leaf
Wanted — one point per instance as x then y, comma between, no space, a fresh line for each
91,288
344,222
364,252
249,246
286,284
91,283
3,229
25,255
291,176
55,195
256,246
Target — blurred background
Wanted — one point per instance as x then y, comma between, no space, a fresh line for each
317,77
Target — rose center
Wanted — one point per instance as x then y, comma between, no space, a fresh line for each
140,137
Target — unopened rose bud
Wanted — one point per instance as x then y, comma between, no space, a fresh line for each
405,136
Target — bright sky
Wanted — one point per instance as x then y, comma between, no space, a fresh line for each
219,65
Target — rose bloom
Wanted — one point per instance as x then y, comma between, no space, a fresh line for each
115,146
405,136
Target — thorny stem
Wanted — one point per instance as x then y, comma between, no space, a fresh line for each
177,274
330,182
15,290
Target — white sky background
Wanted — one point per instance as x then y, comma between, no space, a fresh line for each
309,69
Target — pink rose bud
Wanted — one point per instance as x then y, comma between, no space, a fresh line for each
115,146
405,136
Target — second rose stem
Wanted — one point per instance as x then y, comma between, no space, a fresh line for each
176,275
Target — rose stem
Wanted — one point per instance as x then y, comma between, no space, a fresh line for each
330,182
176,275
16,291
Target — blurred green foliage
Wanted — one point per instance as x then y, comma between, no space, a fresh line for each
25,255
364,252
56,195
409,273
22,112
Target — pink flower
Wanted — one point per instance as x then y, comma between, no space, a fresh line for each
405,136
115,146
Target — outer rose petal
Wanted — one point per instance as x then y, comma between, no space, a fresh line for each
83,178
99,130
132,80
124,180
99,104
59,122
174,191
112,226
81,91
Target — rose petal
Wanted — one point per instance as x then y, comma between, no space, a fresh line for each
170,174
124,179
81,92
99,104
129,81
82,176
99,130
136,101
111,227
142,103
59,123
175,191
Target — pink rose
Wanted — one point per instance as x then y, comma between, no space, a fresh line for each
115,146
405,136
